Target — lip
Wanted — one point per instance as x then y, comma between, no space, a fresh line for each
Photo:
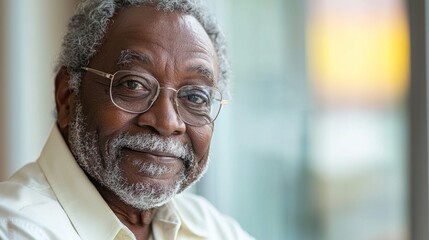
166,160
153,154
158,154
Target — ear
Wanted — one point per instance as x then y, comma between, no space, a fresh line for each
64,99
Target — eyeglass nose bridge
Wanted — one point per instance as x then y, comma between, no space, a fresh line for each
173,98
168,88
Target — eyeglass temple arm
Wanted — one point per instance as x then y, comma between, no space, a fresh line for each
99,73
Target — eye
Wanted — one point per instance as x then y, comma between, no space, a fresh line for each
197,98
133,85
194,97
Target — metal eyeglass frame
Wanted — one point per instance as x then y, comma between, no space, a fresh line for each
112,76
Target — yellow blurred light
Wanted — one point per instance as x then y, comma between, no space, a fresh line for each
359,57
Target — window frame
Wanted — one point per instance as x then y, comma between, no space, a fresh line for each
418,122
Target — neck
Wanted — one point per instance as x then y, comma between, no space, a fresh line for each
139,222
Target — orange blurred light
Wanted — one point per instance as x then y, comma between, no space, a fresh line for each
358,54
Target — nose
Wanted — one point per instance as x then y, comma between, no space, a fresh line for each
162,117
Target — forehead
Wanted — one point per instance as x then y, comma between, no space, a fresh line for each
163,37
147,20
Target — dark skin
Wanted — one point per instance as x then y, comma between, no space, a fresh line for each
176,44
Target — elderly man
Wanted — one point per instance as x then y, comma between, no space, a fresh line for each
138,87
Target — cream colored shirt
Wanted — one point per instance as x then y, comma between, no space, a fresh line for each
53,199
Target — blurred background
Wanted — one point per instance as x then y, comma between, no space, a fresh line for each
325,137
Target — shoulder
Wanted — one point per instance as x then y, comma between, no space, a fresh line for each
28,206
15,225
27,187
199,215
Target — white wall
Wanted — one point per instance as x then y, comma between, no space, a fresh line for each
31,33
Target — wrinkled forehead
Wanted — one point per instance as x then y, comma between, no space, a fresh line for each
146,29
149,16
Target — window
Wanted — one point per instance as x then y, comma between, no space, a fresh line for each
314,142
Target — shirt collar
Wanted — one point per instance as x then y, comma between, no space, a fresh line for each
88,212
186,218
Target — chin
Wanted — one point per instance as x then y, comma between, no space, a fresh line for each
146,194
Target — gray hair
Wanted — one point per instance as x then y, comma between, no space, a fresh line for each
87,28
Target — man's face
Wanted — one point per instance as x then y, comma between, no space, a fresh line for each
147,158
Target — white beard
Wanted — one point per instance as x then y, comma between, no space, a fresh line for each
106,170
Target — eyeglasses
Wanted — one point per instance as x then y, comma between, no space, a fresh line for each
135,92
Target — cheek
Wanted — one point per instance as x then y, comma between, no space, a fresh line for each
200,139
102,116
107,121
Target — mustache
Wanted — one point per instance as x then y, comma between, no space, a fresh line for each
148,142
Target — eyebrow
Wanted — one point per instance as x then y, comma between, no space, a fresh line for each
128,56
204,71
